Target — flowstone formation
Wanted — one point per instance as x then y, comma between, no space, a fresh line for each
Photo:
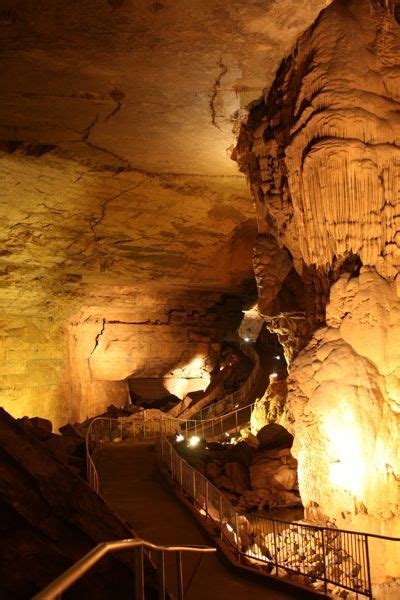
322,156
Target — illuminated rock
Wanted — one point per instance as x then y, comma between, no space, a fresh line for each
344,399
322,157
117,184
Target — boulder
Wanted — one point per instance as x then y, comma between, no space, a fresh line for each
285,477
262,473
224,483
239,476
242,453
274,436
72,431
213,470
42,428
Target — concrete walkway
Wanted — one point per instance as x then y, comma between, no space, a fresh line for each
132,485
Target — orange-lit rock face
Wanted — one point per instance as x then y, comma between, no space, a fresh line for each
115,178
141,336
323,161
324,148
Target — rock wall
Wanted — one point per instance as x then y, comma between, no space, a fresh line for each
80,245
144,337
321,153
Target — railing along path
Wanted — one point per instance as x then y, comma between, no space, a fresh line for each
323,556
106,429
320,554
67,579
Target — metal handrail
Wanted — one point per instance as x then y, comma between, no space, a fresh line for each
237,529
82,566
164,424
237,396
91,471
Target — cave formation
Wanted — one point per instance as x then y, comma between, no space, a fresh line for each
321,154
134,258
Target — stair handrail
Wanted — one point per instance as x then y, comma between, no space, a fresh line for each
83,565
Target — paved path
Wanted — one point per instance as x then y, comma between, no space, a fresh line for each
132,485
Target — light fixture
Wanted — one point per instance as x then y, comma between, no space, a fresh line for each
273,375
246,339
278,357
193,441
179,437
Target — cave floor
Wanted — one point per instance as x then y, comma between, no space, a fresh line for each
131,483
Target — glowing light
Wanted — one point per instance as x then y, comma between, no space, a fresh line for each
179,437
227,434
236,406
203,512
197,363
233,440
194,441
229,527
246,339
278,357
273,375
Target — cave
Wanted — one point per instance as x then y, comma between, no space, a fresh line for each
200,298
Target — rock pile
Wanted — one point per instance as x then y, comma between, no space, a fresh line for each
257,473
301,549
68,448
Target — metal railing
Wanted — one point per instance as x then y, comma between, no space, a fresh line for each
78,570
237,398
323,556
104,429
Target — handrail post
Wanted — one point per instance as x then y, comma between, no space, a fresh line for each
275,548
237,535
220,515
368,566
139,574
161,577
324,560
179,576
194,486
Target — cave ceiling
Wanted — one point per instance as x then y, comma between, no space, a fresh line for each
116,125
